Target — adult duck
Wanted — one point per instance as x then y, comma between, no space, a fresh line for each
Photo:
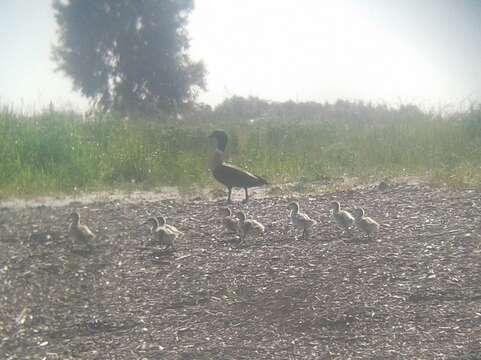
229,175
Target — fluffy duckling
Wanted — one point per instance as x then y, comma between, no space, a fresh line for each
79,232
165,235
172,228
343,218
300,220
230,224
248,227
365,223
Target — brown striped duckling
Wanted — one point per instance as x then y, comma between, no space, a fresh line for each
79,232
365,223
343,218
300,220
172,228
230,224
248,226
163,234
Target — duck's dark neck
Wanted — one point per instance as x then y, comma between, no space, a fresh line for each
217,159
221,144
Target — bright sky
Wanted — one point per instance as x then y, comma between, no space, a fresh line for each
422,51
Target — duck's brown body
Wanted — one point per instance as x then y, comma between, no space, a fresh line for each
229,175
233,177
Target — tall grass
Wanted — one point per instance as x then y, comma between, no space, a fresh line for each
58,152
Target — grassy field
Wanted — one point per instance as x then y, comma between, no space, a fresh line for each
57,152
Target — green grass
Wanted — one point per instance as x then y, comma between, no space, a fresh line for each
58,152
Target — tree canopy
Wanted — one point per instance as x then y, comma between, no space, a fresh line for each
130,56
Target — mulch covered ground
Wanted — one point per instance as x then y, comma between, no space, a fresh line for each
414,292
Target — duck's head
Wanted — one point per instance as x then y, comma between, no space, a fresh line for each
294,206
225,211
358,212
75,217
336,206
221,137
241,216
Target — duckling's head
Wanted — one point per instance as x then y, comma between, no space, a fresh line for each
294,206
336,206
241,216
221,137
225,211
161,220
358,212
153,222
75,217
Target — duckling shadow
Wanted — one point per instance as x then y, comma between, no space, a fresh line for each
159,256
84,252
358,240
323,238
92,327
232,241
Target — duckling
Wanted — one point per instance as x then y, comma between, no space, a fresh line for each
248,227
172,228
365,223
79,232
300,220
165,235
230,224
343,218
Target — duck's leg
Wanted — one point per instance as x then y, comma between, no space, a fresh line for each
247,196
230,192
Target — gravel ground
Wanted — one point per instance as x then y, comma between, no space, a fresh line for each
413,292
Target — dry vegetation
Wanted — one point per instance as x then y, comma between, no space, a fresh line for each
415,292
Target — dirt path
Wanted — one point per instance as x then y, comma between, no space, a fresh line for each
415,292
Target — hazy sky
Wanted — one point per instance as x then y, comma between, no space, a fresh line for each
422,51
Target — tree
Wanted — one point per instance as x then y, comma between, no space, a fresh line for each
130,56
